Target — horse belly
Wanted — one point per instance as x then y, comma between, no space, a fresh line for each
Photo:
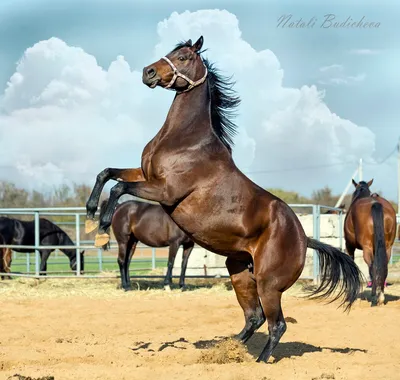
215,232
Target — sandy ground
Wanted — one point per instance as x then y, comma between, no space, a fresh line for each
82,329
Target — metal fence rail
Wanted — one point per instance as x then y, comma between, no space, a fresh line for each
88,245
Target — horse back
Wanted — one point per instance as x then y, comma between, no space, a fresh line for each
149,223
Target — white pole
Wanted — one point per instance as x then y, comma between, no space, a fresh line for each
340,200
398,177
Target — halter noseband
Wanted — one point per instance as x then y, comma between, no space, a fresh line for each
178,74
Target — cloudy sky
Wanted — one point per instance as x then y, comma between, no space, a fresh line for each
314,100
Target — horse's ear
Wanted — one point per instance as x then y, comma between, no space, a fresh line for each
354,182
189,42
370,182
82,253
198,44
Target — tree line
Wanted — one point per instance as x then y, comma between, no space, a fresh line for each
76,195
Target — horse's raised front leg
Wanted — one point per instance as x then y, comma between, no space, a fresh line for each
126,175
147,190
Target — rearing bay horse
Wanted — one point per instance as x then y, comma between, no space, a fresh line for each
188,168
370,225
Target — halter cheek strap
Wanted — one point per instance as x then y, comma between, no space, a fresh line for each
178,74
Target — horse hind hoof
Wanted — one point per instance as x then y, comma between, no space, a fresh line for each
381,299
101,240
90,225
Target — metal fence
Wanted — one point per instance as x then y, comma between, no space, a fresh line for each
148,263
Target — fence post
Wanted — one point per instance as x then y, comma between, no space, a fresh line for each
341,230
316,235
77,243
100,258
37,243
28,263
153,258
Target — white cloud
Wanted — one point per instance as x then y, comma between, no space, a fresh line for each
336,75
334,67
65,118
365,51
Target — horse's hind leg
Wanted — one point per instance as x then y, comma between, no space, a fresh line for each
131,247
173,249
244,283
276,271
381,282
187,250
125,253
44,256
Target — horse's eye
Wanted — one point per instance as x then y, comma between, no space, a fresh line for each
181,58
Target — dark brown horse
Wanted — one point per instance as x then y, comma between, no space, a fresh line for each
188,168
135,221
19,232
370,225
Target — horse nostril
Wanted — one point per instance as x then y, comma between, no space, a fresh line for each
150,72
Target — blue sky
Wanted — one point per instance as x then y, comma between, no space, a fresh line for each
354,67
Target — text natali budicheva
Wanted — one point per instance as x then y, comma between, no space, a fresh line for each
327,21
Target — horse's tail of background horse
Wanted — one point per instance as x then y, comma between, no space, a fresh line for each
338,273
103,207
380,263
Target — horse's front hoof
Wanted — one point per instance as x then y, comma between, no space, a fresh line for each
101,239
167,288
90,225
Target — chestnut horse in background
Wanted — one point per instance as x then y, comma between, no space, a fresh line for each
135,221
370,225
5,259
188,168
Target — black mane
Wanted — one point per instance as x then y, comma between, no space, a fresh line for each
224,101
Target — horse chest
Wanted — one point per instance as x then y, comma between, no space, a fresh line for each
152,164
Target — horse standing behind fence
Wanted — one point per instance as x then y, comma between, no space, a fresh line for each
188,168
370,225
18,232
147,223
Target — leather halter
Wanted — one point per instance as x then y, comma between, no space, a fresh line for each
177,74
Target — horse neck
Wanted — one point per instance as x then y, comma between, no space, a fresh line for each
189,116
66,240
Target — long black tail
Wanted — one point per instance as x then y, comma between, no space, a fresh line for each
380,263
103,207
338,272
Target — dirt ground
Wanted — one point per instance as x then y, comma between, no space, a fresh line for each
88,329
